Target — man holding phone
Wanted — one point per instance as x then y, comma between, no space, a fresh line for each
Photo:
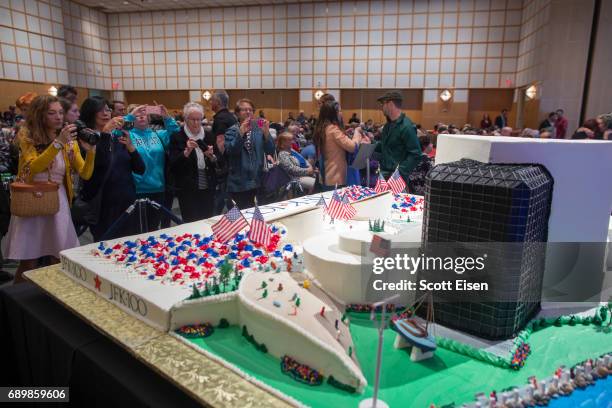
246,145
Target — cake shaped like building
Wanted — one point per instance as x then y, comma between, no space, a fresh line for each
506,206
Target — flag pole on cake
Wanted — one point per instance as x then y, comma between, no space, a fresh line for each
230,224
381,184
322,203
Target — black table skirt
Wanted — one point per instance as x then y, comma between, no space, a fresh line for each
44,344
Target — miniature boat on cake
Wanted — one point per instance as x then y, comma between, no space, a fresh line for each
411,331
415,334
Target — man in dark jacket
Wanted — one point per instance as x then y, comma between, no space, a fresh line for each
399,145
223,120
246,145
502,120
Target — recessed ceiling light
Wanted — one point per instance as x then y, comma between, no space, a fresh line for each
126,3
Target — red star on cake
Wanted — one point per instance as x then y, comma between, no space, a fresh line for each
98,282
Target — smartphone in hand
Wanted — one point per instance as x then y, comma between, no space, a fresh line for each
152,109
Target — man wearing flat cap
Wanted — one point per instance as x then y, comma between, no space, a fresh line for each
399,143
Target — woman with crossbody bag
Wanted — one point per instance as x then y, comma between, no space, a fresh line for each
45,156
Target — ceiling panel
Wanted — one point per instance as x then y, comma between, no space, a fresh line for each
120,6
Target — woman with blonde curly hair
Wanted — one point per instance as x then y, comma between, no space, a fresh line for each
48,151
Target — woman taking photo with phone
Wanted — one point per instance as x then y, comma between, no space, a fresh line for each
48,152
112,180
192,164
152,146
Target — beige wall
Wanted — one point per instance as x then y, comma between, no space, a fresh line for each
454,111
490,101
54,42
11,90
600,91
364,103
349,44
276,103
566,54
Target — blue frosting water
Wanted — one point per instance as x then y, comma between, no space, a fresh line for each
598,395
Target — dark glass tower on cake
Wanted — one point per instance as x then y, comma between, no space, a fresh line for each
501,210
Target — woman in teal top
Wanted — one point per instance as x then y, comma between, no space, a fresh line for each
151,146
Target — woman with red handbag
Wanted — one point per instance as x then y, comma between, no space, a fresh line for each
45,157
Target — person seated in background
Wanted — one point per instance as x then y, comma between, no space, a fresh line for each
301,119
604,126
312,121
354,119
546,133
530,133
506,131
116,160
298,137
549,122
416,178
290,117
294,164
261,114
485,123
560,124
9,116
591,128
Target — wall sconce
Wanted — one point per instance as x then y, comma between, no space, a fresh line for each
319,94
206,95
531,92
52,91
446,95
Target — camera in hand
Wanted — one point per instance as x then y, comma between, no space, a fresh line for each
128,125
85,134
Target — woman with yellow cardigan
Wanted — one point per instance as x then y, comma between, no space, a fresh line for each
47,151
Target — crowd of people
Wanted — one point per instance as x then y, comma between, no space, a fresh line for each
105,155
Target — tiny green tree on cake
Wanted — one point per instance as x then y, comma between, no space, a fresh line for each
224,273
195,294
376,226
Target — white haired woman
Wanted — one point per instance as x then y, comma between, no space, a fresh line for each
193,158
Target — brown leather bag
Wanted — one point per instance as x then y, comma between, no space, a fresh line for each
37,198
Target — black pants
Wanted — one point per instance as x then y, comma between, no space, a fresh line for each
196,204
153,215
243,199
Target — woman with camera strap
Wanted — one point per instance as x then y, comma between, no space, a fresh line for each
111,189
48,152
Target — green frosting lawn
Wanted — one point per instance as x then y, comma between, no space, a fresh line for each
448,377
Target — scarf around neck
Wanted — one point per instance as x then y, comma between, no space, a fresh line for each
198,151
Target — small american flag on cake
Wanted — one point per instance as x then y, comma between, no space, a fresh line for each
229,225
396,182
260,232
